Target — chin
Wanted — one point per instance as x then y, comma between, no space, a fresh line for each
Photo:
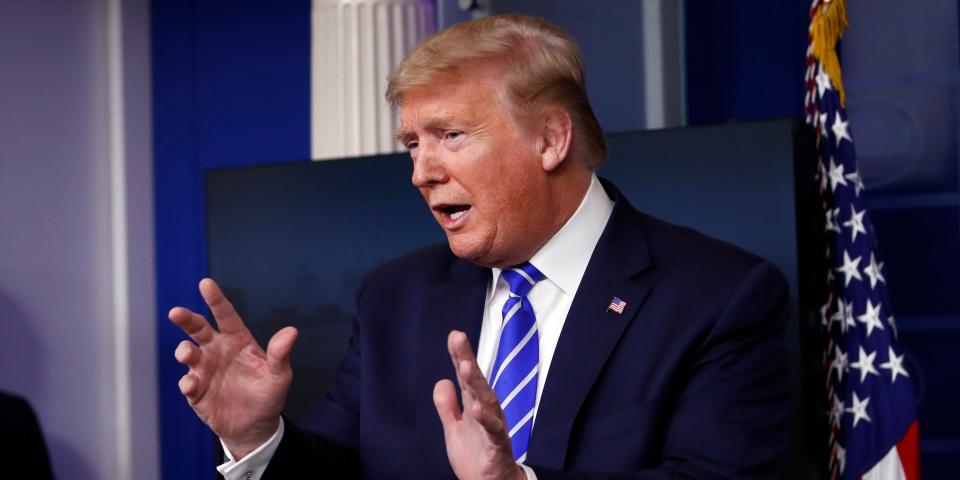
462,251
479,253
470,251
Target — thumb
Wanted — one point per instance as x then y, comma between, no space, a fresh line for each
445,399
278,350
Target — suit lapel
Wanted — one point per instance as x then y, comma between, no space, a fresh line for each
455,302
590,331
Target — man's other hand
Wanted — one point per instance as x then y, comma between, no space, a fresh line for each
478,444
234,386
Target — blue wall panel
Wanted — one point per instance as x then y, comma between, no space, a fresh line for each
231,87
185,443
744,60
252,82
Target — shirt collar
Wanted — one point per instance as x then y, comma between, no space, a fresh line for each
564,258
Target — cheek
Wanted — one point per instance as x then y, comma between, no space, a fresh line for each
512,201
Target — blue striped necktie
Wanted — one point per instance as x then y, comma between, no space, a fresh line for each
517,366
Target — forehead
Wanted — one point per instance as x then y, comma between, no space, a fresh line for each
474,89
464,98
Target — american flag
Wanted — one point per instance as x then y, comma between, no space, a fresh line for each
617,305
870,396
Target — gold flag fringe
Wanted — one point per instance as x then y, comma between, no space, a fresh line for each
826,28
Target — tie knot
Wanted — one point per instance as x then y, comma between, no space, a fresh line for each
521,278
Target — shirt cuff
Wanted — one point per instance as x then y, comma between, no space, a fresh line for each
529,471
255,463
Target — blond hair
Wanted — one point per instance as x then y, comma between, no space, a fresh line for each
543,67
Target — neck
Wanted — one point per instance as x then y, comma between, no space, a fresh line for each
567,195
564,193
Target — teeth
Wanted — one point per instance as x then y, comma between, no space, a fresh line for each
456,215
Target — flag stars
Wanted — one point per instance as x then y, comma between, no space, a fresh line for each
850,268
824,310
840,457
836,411
831,222
836,176
894,364
865,364
857,181
859,409
871,317
839,364
838,316
840,129
823,81
821,177
850,353
848,317
855,223
874,271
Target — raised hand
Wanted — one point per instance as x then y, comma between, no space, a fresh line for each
478,444
233,385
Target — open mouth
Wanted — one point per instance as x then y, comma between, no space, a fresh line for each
453,213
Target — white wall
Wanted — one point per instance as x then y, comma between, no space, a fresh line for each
75,189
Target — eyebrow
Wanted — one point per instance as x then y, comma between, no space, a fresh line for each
402,134
437,122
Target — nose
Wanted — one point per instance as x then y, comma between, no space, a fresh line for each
428,167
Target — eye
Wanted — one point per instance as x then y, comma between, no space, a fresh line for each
452,134
412,145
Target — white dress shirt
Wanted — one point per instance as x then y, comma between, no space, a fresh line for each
562,260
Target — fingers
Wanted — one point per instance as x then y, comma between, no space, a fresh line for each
486,410
194,325
479,400
490,418
445,399
278,350
188,354
472,383
459,346
190,386
483,405
226,317
455,347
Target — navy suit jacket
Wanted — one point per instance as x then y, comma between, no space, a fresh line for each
689,382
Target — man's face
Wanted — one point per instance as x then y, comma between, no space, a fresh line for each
479,172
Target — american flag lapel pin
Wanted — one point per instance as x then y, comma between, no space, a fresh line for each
617,304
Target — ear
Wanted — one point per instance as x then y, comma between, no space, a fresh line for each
556,136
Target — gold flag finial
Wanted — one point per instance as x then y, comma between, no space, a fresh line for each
826,28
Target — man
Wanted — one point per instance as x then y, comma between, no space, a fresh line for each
608,343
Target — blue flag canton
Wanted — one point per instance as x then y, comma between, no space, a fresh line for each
870,393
